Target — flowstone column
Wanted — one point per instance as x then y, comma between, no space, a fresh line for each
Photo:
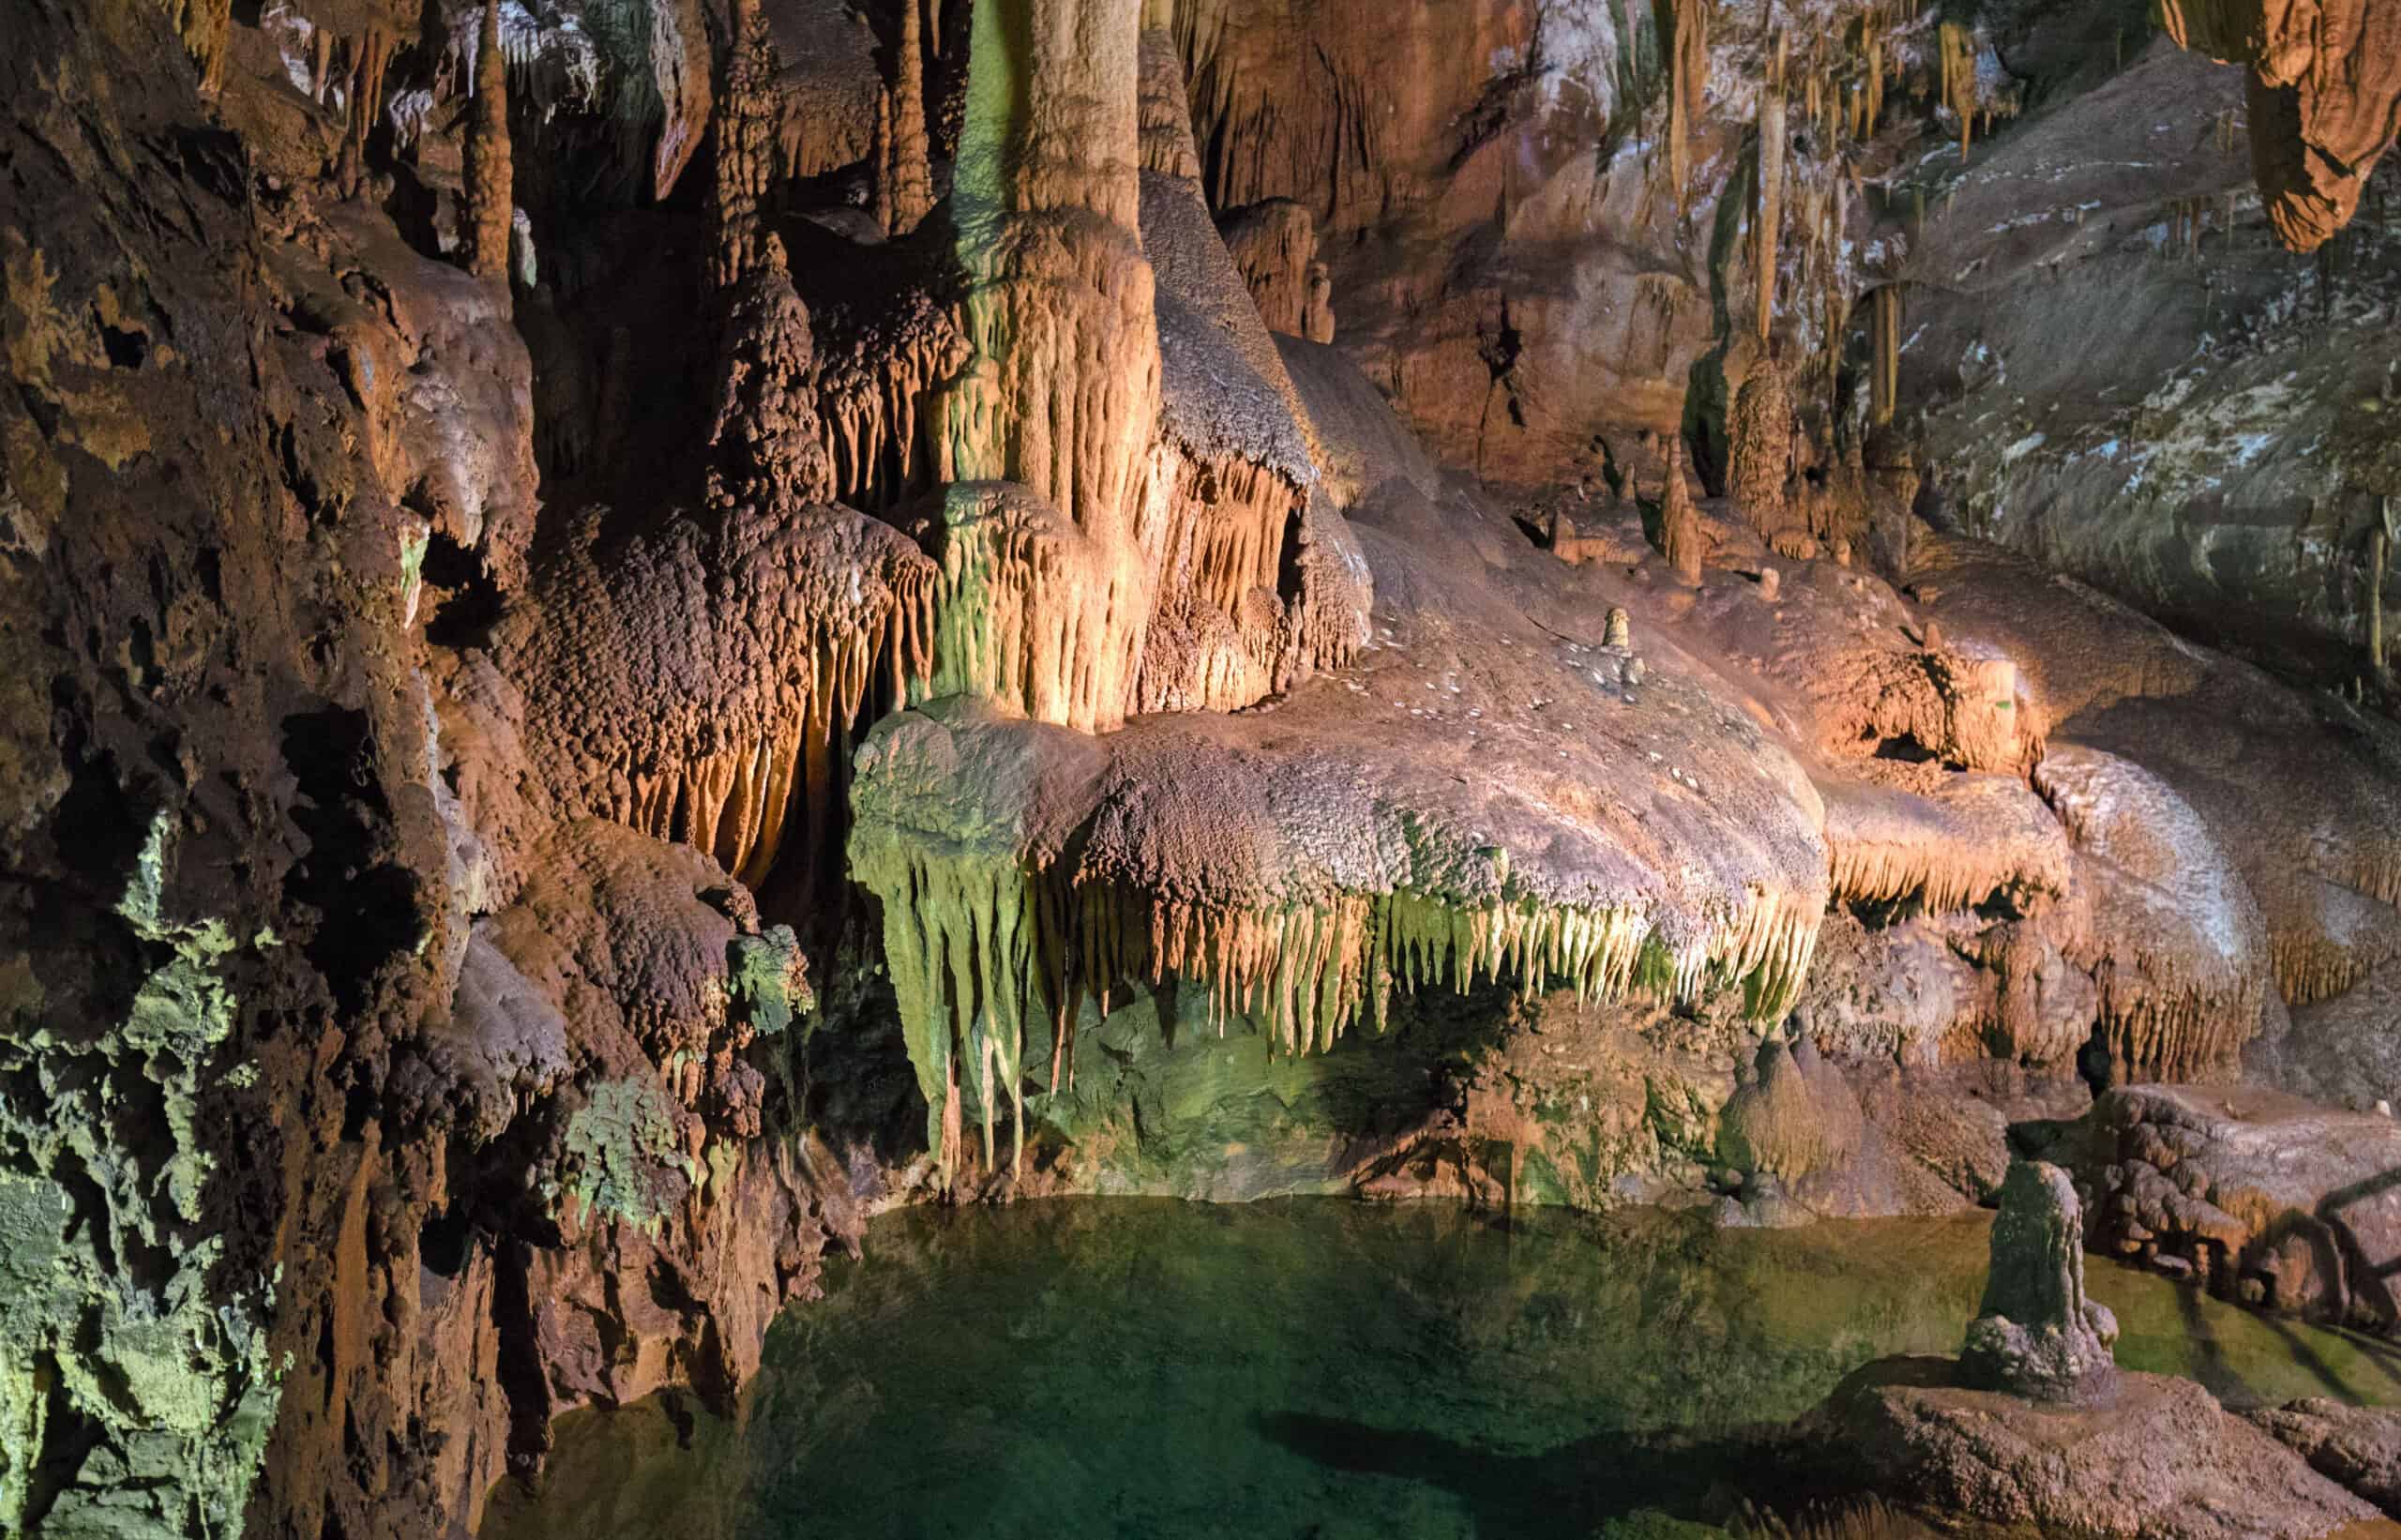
1047,443
1061,391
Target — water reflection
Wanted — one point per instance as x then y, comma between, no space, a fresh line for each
1323,1368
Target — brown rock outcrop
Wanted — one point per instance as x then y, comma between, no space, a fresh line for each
2160,1459
2357,1447
2263,1197
1273,244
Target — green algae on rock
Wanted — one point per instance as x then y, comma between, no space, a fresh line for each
110,1324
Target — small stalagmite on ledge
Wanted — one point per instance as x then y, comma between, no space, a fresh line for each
2037,1335
2034,1429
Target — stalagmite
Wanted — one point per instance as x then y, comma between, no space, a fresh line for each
2037,1336
489,177
904,186
1769,217
1887,380
1061,391
1760,456
771,450
1681,539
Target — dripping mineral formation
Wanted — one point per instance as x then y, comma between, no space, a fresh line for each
630,635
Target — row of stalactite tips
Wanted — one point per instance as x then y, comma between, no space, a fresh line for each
993,968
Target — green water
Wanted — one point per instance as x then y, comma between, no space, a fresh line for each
1321,1368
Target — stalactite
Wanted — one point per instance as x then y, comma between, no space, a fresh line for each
965,948
746,134
1274,245
870,385
1769,218
1837,300
1887,386
370,58
879,153
2309,969
1688,77
489,177
1033,615
1957,48
2322,97
2175,942
905,186
1977,838
2379,549
202,24
705,675
980,950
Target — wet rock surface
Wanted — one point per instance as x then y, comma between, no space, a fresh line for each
2157,1457
2257,1195
2358,1448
